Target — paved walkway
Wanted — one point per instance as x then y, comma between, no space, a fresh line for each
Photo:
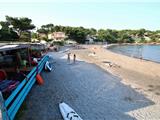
89,90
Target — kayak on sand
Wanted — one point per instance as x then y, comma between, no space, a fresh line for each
68,113
48,66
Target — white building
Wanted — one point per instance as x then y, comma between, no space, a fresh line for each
90,39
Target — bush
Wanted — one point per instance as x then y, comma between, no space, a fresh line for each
61,43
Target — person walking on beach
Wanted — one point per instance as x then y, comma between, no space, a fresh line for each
68,57
74,58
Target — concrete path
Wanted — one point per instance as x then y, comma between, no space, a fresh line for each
93,93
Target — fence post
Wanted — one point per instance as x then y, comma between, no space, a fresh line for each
3,110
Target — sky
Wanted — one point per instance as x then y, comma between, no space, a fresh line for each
118,14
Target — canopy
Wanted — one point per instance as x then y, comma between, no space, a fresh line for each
12,47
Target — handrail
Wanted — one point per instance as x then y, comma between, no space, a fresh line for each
11,97
20,98
17,97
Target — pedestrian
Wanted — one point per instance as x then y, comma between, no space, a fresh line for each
74,58
68,57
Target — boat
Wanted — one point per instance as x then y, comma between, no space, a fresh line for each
68,113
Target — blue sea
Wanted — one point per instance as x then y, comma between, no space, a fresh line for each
147,52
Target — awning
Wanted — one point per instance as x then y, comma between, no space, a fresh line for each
12,47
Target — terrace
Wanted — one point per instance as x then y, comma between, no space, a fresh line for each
18,70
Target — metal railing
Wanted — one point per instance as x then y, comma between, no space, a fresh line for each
11,105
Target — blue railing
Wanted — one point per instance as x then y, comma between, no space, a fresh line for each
15,100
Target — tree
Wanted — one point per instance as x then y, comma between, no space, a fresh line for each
93,31
108,35
34,35
42,30
7,33
141,32
20,25
48,27
78,34
57,28
111,36
101,35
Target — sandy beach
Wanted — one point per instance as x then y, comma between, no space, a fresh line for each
94,89
141,75
136,72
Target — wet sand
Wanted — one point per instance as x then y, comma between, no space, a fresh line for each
93,92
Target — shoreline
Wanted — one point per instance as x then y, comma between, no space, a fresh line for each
116,44
137,57
112,45
141,75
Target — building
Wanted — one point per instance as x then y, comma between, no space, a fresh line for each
90,39
57,36
42,35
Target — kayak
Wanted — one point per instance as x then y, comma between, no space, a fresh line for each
68,113
48,66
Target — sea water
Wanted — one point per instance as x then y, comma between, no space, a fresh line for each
148,52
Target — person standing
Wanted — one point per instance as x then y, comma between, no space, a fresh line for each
74,58
68,58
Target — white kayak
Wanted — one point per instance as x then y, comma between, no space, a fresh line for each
48,66
68,113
